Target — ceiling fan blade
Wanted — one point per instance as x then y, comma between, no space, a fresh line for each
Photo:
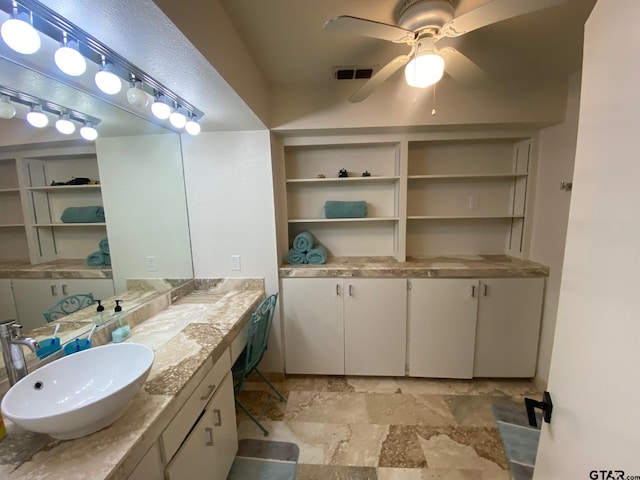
379,78
461,68
493,12
368,28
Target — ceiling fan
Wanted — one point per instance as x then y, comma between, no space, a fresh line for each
421,24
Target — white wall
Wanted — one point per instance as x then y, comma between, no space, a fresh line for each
230,195
145,206
551,213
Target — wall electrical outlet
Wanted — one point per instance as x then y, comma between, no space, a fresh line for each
150,264
235,262
474,202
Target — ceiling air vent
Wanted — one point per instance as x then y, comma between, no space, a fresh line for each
352,73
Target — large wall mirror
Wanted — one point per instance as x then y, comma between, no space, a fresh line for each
139,166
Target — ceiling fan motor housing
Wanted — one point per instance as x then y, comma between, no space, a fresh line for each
420,15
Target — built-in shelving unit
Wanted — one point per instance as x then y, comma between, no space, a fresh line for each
425,196
31,207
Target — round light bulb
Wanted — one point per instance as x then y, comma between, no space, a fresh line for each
70,60
192,127
7,110
424,70
161,109
107,81
136,96
178,119
64,125
19,34
37,118
88,132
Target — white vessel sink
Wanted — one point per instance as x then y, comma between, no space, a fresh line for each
81,393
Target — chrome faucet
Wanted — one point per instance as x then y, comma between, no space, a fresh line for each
13,356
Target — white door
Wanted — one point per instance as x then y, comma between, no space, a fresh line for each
33,298
375,326
313,327
508,327
593,379
442,327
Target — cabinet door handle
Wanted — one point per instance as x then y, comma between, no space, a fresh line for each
473,290
218,416
350,290
209,431
65,290
485,289
54,290
337,289
210,390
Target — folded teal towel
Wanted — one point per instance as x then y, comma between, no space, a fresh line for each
303,242
106,259
296,258
336,209
95,259
317,255
93,214
104,246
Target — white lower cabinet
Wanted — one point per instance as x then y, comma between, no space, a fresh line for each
442,327
35,296
354,326
209,449
508,328
150,467
463,328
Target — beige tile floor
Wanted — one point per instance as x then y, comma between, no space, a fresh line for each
364,428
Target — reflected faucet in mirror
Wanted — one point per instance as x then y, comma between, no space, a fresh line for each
12,341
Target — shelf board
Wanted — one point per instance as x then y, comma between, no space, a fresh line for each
58,188
333,220
342,180
9,190
12,225
467,176
460,217
102,224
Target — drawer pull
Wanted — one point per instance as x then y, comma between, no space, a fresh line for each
219,418
485,289
473,290
351,290
65,290
337,290
54,290
209,430
210,390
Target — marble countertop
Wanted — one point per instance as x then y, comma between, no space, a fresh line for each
459,266
54,269
187,337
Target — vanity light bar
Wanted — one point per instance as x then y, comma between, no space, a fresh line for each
50,107
51,24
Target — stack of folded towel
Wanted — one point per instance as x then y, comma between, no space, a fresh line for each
102,256
305,250
93,214
340,209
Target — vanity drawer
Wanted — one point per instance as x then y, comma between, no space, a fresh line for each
178,429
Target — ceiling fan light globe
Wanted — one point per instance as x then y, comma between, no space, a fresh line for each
70,61
20,35
424,70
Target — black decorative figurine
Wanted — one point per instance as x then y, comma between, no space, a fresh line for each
366,173
343,173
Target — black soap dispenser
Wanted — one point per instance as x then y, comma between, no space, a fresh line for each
100,311
121,330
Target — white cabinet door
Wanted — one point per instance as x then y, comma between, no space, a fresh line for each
34,297
313,325
508,327
208,451
7,305
150,467
375,321
442,327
